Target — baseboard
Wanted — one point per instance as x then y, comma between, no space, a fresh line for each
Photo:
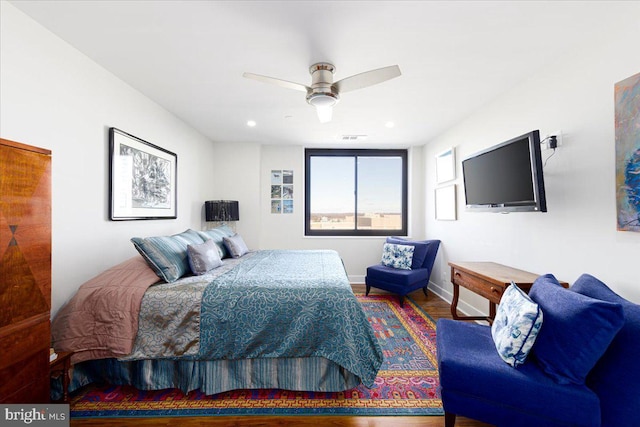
440,292
356,280
463,307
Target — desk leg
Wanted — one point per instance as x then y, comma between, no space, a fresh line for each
454,301
454,306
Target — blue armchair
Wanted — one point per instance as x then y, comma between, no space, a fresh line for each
402,282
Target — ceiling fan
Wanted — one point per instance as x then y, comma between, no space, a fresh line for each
324,93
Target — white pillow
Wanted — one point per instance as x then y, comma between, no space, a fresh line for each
397,256
516,326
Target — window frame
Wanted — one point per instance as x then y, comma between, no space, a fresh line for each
355,153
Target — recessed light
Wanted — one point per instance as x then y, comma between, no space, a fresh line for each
251,123
390,124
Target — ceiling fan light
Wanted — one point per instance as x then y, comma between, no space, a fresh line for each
322,99
324,114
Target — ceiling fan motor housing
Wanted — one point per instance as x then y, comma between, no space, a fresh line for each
322,93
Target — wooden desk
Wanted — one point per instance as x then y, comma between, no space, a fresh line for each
488,279
61,366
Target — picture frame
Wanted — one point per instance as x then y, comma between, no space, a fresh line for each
446,206
142,179
446,165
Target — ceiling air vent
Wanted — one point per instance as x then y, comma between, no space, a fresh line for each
352,138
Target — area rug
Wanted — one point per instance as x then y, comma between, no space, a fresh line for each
407,383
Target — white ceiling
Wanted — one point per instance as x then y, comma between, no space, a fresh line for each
455,57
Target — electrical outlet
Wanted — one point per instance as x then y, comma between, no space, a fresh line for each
545,144
444,276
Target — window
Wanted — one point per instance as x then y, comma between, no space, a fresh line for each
355,192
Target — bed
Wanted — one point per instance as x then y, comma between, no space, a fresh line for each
283,319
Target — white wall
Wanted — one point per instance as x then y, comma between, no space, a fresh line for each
53,96
578,233
286,231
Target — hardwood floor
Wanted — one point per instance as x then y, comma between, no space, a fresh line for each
433,305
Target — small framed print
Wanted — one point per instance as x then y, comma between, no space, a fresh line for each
446,166
446,203
281,191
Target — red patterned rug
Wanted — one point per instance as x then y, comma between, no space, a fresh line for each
407,383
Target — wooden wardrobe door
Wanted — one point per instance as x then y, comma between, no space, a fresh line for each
25,272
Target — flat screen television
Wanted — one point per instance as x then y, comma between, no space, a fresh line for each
506,177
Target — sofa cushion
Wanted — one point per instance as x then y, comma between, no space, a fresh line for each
516,325
616,376
397,256
401,278
419,249
475,382
576,332
167,255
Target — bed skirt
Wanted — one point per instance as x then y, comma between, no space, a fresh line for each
217,376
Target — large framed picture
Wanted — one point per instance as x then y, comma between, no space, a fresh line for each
142,179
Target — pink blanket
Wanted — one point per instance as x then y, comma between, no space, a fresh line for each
101,320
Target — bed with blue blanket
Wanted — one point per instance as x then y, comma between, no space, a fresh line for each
283,319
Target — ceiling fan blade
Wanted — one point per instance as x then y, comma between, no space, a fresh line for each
368,78
324,114
279,82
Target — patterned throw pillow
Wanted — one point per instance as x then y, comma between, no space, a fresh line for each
397,256
204,257
516,326
167,255
236,245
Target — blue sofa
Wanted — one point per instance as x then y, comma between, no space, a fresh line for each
402,282
582,372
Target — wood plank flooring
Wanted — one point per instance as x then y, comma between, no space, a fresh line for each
432,304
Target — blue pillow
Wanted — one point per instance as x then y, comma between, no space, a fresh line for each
576,332
617,374
167,255
516,326
419,251
397,256
217,235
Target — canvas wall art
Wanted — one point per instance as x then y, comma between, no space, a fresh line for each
627,128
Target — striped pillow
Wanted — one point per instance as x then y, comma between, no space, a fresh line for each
167,255
217,235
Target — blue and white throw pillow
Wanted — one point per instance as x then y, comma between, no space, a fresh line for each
397,256
516,326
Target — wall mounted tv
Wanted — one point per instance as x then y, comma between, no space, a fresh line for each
506,177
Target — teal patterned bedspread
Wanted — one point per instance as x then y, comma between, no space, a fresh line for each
287,303
266,304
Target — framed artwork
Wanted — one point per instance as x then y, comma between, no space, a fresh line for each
627,126
142,179
281,191
446,166
446,203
